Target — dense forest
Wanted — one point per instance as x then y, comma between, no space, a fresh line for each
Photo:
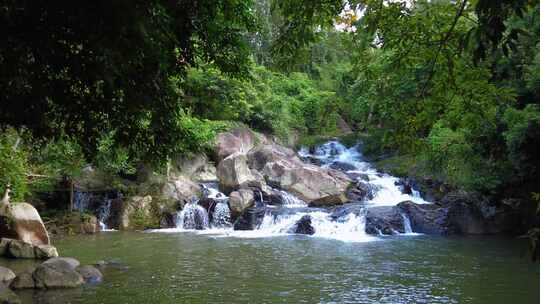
447,89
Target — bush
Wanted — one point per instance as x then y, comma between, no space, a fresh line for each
13,164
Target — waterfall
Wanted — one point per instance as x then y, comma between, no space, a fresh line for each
97,203
193,216
347,224
406,224
222,215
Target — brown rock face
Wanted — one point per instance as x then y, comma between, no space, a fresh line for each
239,140
312,184
22,221
233,172
241,200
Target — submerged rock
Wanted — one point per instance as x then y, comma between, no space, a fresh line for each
7,296
361,191
303,226
58,273
90,274
21,221
385,220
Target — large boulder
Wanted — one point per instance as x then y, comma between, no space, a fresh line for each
426,218
239,140
181,189
58,273
19,249
462,213
233,173
260,156
21,221
314,185
195,167
241,200
303,226
385,220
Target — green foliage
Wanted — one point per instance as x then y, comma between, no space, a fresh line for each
13,164
111,157
523,139
268,101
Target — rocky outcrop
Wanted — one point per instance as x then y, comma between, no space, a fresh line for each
135,213
18,249
197,168
240,200
239,140
462,213
233,173
260,156
312,184
385,220
21,221
303,226
181,189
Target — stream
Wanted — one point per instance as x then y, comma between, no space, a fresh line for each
204,260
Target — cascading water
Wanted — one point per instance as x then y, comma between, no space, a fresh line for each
97,203
193,216
281,219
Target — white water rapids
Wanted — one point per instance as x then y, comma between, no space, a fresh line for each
279,220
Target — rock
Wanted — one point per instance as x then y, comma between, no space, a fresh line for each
45,252
6,275
303,226
136,213
4,246
21,221
22,250
314,185
7,296
233,173
58,273
19,249
404,185
462,213
24,280
260,156
384,220
361,192
195,167
90,274
241,200
168,220
342,166
181,189
73,263
250,219
239,140
358,176
340,213
426,218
